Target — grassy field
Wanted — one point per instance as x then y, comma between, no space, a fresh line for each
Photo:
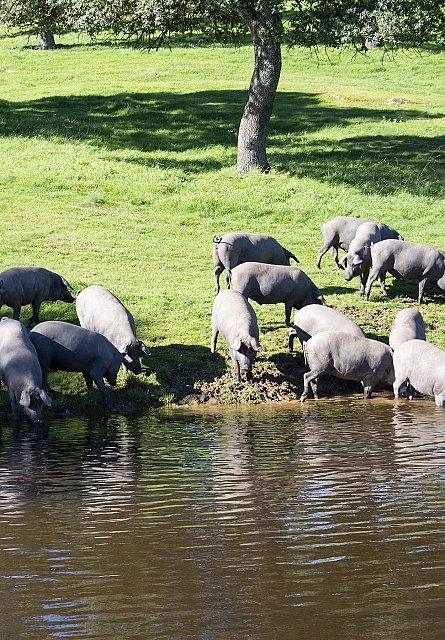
117,167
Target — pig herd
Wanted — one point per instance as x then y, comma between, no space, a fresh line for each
104,341
258,268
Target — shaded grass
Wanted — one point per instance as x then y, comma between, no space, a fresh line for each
117,168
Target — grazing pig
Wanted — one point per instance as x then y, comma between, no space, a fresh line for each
408,260
314,319
408,325
234,318
20,371
271,284
67,347
339,232
234,248
20,286
99,310
358,257
347,357
421,365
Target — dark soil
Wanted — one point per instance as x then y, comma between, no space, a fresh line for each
276,379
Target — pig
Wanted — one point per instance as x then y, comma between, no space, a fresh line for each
421,365
270,284
340,231
20,286
234,248
67,347
99,310
358,256
313,319
409,260
408,325
347,357
234,318
20,371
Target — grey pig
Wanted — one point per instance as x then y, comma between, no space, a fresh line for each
234,248
347,357
20,371
338,234
408,325
358,256
408,260
313,319
67,347
99,310
20,286
421,365
234,318
271,284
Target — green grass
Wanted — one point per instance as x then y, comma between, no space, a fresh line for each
118,166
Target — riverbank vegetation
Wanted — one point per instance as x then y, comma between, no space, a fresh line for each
118,166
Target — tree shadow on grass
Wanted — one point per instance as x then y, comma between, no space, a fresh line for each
169,126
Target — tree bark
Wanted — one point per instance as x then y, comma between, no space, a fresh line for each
265,26
46,40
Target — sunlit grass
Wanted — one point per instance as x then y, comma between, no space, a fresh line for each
118,166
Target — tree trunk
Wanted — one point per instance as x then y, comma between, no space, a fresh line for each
46,40
265,26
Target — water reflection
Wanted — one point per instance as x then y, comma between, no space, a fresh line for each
318,521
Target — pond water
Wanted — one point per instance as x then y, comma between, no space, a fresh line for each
322,520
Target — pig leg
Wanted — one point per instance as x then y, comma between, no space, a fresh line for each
16,312
323,250
309,379
100,385
398,384
35,312
440,399
14,405
382,284
288,311
213,344
368,386
373,277
363,280
236,369
422,285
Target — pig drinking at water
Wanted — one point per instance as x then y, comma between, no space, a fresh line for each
271,284
408,325
421,365
67,347
20,286
234,318
99,310
315,318
20,371
234,248
347,357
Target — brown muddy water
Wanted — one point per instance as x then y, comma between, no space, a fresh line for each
274,522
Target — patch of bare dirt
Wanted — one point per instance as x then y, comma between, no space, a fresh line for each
278,380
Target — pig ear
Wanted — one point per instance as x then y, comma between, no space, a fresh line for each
343,258
144,348
236,344
25,399
255,344
45,397
357,260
